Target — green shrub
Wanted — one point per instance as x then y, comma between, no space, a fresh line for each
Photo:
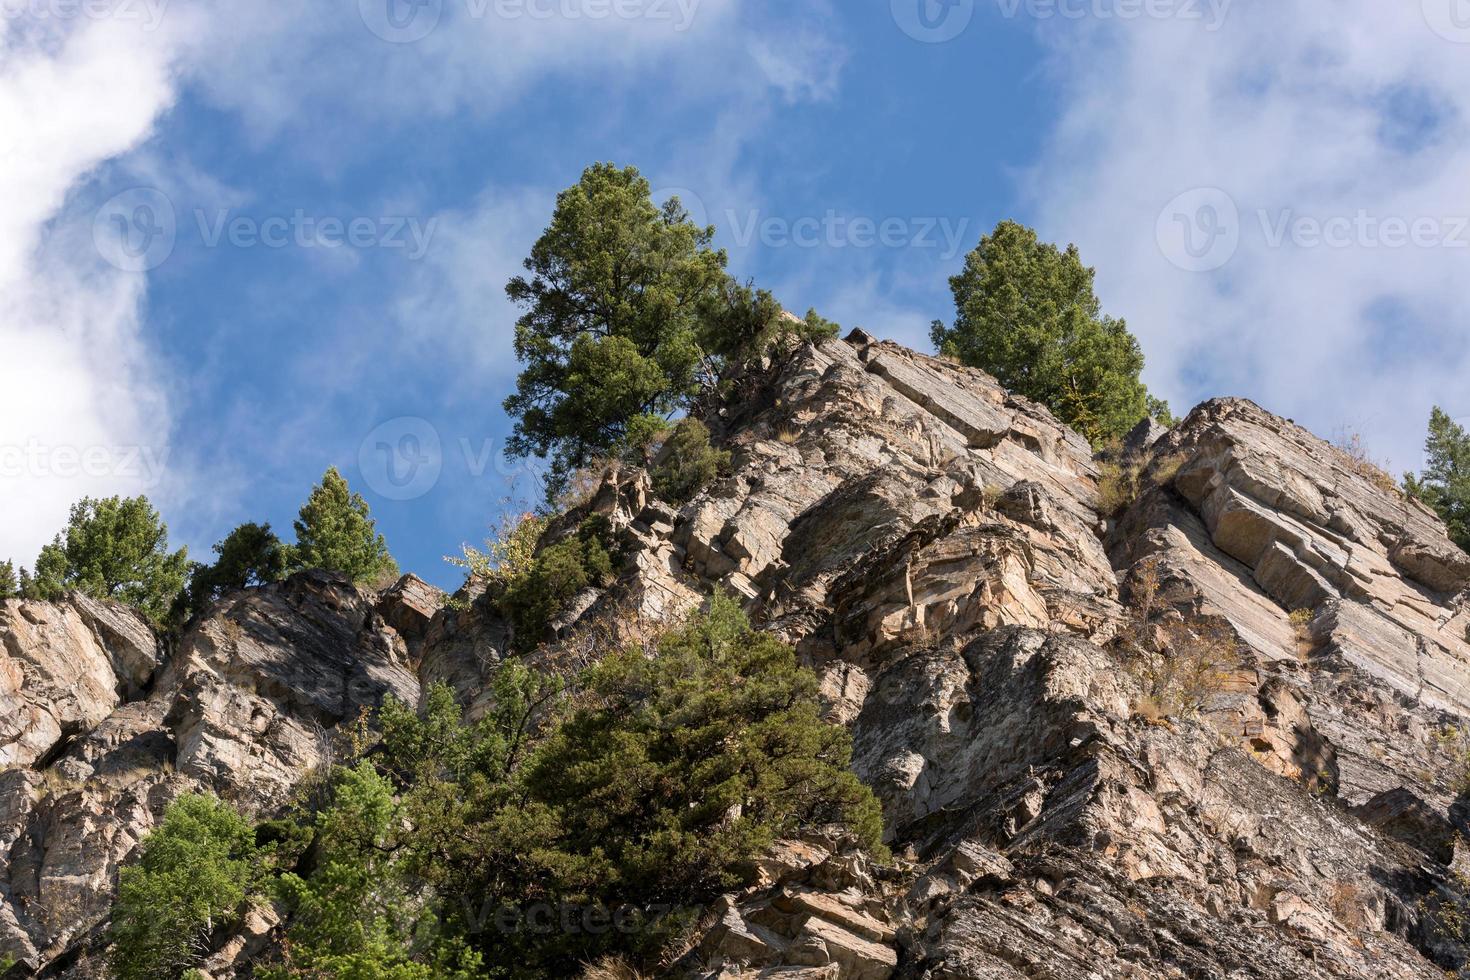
690,463
196,874
647,792
558,574
356,915
114,548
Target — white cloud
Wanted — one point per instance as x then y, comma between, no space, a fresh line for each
80,411
1296,112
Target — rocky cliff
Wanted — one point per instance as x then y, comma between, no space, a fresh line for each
938,551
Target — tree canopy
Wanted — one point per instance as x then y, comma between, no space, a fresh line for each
617,293
1026,312
336,533
249,555
113,548
1445,482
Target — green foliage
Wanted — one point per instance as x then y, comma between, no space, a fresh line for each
509,552
9,584
647,794
1026,312
614,306
113,548
356,916
249,555
196,874
335,533
533,599
689,464
1445,483
685,764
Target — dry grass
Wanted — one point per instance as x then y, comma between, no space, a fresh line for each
1301,625
1180,662
787,435
1360,461
612,968
1348,905
1122,481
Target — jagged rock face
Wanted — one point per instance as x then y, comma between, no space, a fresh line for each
246,706
934,548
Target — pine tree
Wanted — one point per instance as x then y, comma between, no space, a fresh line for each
334,532
616,300
1026,312
1445,482
113,548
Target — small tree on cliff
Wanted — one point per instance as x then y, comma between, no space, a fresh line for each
1026,312
335,532
615,301
249,555
113,548
1445,482
9,584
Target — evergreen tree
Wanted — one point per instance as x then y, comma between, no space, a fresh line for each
1026,312
195,876
9,584
334,532
113,548
1445,482
616,298
249,555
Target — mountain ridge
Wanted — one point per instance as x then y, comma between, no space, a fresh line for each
936,548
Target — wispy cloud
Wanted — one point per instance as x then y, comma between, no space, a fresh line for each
1279,206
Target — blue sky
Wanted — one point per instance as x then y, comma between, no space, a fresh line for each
848,154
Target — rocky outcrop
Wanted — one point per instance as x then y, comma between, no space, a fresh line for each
249,704
935,548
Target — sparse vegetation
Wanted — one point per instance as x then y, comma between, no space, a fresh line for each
1301,627
1179,661
1123,479
536,596
689,463
1361,462
197,872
